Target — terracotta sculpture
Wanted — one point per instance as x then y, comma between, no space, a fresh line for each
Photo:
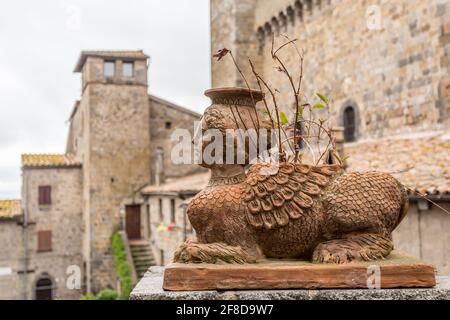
294,211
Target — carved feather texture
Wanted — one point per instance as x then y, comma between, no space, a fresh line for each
274,197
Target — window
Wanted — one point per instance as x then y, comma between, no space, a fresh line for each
128,69
108,69
45,195
44,289
349,124
168,125
172,210
44,241
160,204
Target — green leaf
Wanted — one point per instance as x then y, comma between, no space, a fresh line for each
300,111
322,97
318,106
283,118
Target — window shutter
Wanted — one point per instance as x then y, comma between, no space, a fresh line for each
48,195
41,195
44,241
45,195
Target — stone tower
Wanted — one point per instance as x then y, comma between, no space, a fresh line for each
114,148
232,24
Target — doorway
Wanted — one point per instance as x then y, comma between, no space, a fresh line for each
44,289
133,221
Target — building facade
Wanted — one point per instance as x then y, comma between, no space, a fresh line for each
57,239
166,205
388,61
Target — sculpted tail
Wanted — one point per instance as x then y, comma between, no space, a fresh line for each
404,206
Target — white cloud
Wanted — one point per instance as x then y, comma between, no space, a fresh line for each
41,41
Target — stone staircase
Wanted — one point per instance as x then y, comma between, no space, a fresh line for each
142,257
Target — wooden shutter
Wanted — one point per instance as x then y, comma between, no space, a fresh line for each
44,241
45,195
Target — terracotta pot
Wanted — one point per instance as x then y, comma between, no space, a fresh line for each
234,108
237,107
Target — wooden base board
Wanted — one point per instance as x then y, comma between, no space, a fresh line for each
397,271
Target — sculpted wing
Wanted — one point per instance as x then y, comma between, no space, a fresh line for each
275,195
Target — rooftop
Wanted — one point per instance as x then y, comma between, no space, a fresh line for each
49,160
419,161
10,209
174,106
114,54
189,184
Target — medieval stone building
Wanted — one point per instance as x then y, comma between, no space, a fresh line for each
119,141
385,67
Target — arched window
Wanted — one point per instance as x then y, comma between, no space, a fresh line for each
349,124
44,289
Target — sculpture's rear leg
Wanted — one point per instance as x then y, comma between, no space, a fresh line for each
193,252
363,246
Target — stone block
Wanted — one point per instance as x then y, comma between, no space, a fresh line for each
398,270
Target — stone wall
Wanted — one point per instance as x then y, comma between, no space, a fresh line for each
165,242
76,140
63,218
116,163
395,75
165,118
426,235
232,27
93,72
11,261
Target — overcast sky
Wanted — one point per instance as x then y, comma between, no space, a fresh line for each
40,42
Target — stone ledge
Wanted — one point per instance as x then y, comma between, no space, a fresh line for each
398,271
150,288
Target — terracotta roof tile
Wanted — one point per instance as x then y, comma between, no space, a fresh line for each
49,160
420,161
10,209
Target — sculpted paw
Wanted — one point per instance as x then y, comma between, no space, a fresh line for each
330,253
192,252
187,253
365,247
